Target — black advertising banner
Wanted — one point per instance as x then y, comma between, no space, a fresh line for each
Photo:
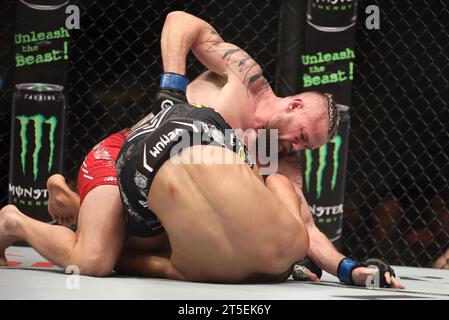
37,140
327,65
328,57
39,104
324,176
42,42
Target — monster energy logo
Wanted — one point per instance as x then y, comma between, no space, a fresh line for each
39,121
322,164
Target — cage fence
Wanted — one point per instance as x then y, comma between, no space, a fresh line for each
396,203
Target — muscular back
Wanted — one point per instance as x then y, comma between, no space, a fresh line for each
223,223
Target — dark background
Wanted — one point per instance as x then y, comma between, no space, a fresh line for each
397,185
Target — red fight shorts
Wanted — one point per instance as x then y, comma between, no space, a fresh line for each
98,168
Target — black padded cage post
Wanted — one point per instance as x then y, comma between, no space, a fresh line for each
290,44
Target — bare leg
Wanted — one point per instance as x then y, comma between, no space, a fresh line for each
148,264
159,243
94,249
53,242
63,203
7,225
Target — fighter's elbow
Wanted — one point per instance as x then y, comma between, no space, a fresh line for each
179,17
175,15
180,22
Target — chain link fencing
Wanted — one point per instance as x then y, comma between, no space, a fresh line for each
397,185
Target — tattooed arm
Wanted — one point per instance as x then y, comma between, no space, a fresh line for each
183,32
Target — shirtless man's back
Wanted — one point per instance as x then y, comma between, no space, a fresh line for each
223,223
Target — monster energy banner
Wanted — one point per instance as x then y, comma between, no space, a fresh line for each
324,173
327,65
328,57
41,41
37,140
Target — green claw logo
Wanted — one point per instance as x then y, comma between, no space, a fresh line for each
322,163
39,121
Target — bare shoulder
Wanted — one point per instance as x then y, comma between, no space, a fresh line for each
289,163
290,166
213,77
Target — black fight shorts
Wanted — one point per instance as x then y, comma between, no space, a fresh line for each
147,149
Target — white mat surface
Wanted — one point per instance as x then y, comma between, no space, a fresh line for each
32,277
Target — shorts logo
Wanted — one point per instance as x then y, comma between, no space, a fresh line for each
164,140
38,121
166,104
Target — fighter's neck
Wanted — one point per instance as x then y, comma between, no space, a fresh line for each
263,108
254,114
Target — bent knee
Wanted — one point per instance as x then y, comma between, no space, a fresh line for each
94,267
100,271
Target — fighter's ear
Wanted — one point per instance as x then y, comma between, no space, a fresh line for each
295,104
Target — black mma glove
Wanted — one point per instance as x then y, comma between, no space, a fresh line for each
298,270
173,88
347,265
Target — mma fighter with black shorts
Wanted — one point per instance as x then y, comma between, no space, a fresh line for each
235,87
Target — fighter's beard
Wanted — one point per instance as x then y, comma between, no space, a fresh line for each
277,124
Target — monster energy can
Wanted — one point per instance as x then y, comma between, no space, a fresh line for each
37,144
324,174
332,15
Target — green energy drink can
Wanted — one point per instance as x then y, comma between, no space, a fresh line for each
37,145
331,15
324,178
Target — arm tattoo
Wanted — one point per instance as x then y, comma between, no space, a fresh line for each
230,52
247,69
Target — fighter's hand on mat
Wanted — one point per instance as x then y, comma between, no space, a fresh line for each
306,270
353,272
359,273
360,276
302,273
